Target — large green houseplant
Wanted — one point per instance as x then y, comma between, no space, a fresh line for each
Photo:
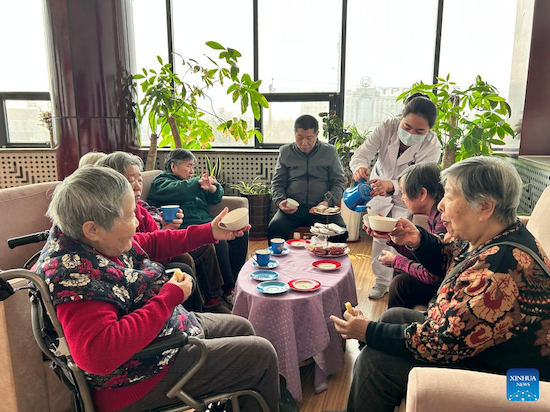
171,104
258,193
469,121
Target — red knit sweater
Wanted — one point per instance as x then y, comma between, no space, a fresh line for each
109,339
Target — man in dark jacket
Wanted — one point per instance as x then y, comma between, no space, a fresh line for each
308,171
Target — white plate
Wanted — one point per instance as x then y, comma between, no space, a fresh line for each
264,275
272,264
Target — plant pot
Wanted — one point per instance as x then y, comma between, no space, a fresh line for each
259,207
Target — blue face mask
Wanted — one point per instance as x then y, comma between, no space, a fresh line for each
409,139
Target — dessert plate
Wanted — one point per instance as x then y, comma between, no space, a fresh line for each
272,287
326,264
298,242
272,264
264,275
304,285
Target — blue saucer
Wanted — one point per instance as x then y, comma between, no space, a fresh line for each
264,275
272,264
272,287
285,251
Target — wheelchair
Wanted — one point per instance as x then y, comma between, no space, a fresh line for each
49,336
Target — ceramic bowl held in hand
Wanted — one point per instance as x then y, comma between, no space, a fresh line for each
235,220
382,224
366,219
292,203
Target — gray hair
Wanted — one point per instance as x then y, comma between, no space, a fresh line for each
89,194
485,178
120,161
176,157
90,159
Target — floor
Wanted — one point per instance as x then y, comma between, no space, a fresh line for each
335,398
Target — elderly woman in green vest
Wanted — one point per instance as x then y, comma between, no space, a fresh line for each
178,185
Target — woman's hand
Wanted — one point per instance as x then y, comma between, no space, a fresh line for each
361,173
375,234
323,203
352,326
208,183
174,224
405,233
186,284
381,187
224,234
287,209
387,258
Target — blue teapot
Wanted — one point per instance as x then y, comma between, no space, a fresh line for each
357,196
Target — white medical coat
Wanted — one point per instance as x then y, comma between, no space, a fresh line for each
384,141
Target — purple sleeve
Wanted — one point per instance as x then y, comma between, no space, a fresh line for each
416,270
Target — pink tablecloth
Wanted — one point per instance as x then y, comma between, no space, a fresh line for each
297,323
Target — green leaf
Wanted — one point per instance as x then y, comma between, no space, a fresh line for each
138,76
160,60
495,98
234,72
214,45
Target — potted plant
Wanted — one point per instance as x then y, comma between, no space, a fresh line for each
258,194
214,168
171,102
470,121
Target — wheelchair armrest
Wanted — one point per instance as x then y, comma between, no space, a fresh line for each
176,340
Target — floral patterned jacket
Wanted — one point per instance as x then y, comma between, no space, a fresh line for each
493,314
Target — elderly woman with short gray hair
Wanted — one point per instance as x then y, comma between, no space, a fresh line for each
208,272
492,309
112,301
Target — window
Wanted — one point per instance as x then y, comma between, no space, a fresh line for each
278,120
390,45
299,45
29,121
24,67
482,47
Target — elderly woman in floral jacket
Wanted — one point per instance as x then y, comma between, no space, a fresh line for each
112,301
492,310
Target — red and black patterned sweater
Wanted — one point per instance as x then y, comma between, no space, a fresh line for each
494,314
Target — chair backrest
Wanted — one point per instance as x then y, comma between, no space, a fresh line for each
147,177
537,224
23,211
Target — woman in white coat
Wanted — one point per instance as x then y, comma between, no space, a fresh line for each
399,142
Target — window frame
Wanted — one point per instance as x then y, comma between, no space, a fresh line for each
4,127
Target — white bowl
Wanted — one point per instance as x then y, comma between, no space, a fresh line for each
292,203
235,220
382,224
366,219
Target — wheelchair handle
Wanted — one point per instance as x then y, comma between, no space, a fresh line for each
28,239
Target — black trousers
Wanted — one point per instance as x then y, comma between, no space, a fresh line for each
232,255
407,291
282,225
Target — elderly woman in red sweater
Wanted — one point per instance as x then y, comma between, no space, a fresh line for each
204,259
112,301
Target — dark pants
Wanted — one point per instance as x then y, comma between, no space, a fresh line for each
232,255
380,379
406,291
282,225
209,274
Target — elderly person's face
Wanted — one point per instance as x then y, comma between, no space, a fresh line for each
133,174
418,205
184,170
461,221
306,139
118,240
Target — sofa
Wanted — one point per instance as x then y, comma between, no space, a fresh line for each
451,390
26,382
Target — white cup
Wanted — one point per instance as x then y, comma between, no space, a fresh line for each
382,224
235,220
